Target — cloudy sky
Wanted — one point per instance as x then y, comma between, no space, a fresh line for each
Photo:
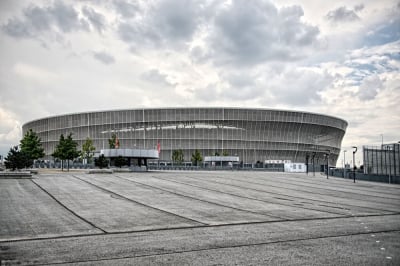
340,58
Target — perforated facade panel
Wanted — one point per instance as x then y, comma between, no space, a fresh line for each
252,134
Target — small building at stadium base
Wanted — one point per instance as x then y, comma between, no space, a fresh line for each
285,166
136,157
223,161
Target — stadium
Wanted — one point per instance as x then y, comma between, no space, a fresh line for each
252,135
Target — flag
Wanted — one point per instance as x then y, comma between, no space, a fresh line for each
158,147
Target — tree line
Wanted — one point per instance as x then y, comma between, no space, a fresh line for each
30,149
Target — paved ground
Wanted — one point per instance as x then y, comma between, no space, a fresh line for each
198,218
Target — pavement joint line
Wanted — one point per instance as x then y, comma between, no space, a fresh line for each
210,202
216,248
196,227
263,184
319,187
68,209
339,181
137,202
296,197
267,183
262,200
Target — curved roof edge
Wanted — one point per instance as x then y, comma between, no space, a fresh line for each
203,107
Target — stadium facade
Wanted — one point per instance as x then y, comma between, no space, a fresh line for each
254,135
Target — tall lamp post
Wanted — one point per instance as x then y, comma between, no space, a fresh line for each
344,164
390,167
327,163
354,163
307,159
313,166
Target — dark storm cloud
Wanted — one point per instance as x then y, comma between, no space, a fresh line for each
176,19
96,19
166,22
251,32
36,20
343,14
156,77
127,9
104,57
359,7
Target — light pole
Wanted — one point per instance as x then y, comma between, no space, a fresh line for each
313,166
344,164
390,167
307,158
354,163
327,163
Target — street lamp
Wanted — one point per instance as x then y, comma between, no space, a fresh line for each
313,166
327,163
344,164
354,165
307,158
390,167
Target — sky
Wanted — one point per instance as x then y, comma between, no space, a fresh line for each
339,58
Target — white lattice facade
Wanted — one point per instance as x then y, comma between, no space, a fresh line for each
251,134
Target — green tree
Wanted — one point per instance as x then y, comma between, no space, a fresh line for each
59,151
101,162
216,153
225,153
196,158
120,161
177,156
88,149
17,159
66,149
31,145
112,140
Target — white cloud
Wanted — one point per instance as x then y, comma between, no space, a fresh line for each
369,88
35,73
10,130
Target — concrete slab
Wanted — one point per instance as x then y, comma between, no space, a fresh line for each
364,205
108,211
212,193
27,212
281,197
189,207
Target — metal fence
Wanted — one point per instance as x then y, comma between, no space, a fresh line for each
382,160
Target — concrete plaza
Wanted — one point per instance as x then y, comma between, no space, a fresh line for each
198,218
